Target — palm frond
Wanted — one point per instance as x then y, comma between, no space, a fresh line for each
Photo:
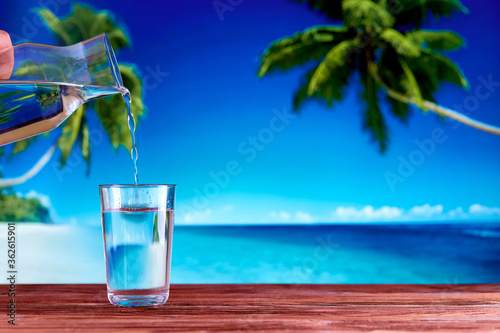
336,58
414,12
398,109
112,113
83,23
132,80
447,70
104,21
403,45
431,69
70,133
301,95
21,145
312,44
333,90
366,14
57,27
85,144
118,38
412,88
436,40
112,110
373,120
392,73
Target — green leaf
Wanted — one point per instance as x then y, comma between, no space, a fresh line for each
112,114
333,90
132,80
447,70
71,130
373,120
112,111
431,69
336,58
86,144
415,12
301,95
366,15
439,7
21,145
413,89
399,109
54,24
403,46
312,44
118,38
436,40
393,75
84,23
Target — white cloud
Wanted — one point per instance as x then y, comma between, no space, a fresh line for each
284,215
457,213
367,213
426,210
280,216
303,217
226,215
477,209
44,199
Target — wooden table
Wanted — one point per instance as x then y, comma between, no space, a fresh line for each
258,308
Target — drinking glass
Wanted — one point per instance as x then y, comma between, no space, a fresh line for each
137,222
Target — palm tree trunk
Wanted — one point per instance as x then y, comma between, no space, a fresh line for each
6,182
430,106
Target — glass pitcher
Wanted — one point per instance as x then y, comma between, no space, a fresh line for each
49,83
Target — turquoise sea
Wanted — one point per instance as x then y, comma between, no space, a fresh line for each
385,253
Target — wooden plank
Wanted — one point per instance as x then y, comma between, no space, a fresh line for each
261,308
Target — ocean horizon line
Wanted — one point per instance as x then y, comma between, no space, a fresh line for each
292,224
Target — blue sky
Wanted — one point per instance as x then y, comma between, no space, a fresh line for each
238,155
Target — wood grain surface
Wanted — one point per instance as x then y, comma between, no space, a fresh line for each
260,308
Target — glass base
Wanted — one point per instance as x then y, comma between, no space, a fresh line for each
138,300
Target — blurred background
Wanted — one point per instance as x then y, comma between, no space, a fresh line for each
332,183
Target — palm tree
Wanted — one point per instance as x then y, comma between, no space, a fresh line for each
83,23
383,41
